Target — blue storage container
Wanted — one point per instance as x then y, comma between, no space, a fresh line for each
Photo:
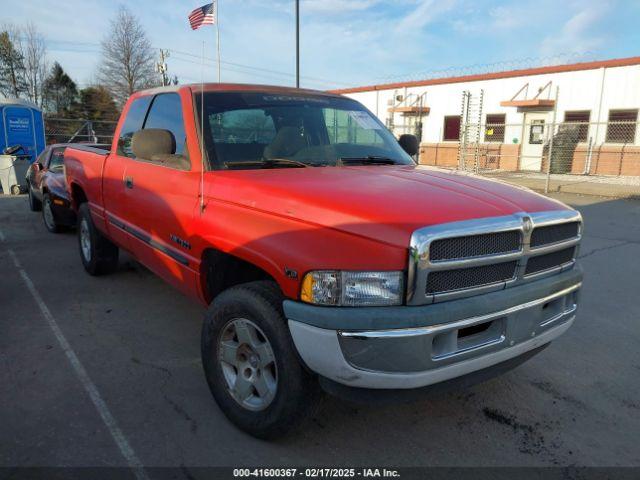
21,123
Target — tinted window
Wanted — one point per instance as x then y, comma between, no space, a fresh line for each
57,159
132,123
166,113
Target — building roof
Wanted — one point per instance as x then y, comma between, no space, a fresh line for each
572,67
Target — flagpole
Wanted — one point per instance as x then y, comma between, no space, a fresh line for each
297,43
218,37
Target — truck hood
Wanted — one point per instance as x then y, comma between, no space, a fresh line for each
385,203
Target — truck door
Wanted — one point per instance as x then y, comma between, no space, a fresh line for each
117,210
162,195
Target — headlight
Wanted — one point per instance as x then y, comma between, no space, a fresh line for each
352,289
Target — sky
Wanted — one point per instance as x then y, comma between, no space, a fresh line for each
344,42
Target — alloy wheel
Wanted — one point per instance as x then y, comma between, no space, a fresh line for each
248,364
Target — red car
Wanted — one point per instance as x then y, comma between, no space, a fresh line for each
326,256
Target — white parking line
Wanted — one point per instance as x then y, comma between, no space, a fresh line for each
132,459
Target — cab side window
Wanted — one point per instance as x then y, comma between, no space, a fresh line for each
166,114
132,123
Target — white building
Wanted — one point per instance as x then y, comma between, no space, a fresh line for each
510,112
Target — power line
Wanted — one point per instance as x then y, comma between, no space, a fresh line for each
261,72
234,64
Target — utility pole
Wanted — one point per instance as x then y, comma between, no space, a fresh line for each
297,43
161,67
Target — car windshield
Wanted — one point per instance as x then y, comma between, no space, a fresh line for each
273,130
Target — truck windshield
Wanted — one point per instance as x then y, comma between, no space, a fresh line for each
274,130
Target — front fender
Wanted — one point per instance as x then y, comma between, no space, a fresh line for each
288,248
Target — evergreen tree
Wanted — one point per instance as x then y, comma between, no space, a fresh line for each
96,103
12,71
60,91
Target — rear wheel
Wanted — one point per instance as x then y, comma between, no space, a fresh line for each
35,205
250,362
98,254
15,190
48,217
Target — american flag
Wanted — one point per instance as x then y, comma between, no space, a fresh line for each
202,16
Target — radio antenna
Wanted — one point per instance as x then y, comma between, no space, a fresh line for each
202,132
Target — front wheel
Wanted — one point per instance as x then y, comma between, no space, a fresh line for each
99,255
48,217
251,364
34,204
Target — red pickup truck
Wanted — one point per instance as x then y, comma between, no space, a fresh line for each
325,255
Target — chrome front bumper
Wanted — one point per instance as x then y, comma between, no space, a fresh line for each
406,358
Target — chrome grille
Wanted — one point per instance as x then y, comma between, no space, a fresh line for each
462,278
554,233
461,259
475,245
549,261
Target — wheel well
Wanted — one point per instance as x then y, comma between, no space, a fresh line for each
220,271
78,197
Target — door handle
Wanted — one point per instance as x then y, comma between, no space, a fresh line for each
128,182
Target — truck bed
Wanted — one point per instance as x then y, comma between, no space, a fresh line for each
84,165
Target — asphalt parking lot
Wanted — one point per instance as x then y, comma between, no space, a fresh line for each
137,340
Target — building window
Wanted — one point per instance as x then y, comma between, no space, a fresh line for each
622,126
451,128
580,121
494,128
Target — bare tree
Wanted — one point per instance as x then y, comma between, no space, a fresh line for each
127,57
34,52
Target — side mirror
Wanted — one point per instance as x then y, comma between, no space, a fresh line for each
153,142
409,143
37,166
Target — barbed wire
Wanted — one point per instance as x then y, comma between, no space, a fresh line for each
493,67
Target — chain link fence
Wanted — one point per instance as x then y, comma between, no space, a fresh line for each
74,130
604,153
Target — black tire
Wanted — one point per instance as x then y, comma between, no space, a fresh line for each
102,254
15,190
35,205
297,390
48,215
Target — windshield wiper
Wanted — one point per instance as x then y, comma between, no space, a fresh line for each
369,160
268,163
